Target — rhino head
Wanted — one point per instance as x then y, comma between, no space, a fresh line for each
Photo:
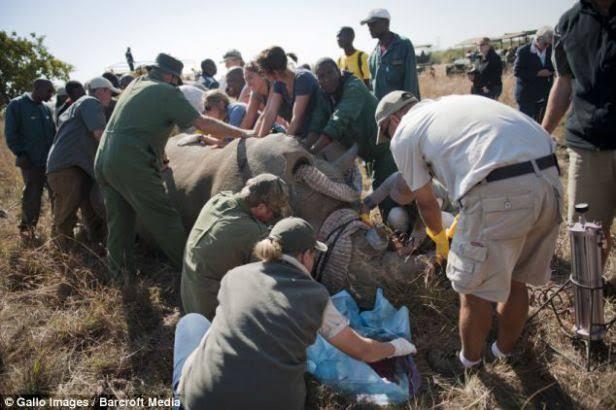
317,189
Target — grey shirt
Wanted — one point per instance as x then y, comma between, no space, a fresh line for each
74,143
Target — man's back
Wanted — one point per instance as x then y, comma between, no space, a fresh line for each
461,139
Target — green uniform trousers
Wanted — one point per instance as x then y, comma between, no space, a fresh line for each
139,193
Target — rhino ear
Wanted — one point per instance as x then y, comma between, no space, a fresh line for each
346,160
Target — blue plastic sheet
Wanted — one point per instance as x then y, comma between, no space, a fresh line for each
352,377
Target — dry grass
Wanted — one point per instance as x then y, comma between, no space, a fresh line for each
65,331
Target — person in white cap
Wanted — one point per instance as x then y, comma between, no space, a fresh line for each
392,63
70,162
499,166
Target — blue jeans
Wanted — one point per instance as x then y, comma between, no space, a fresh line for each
188,335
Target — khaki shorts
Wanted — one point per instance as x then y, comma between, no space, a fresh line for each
507,231
592,179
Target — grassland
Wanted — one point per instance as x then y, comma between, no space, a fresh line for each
66,331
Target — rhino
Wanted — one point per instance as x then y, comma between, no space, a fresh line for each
317,192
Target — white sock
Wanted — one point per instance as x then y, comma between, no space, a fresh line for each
497,352
467,363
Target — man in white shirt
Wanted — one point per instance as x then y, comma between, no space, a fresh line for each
499,166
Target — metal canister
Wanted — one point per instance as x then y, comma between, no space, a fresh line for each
586,275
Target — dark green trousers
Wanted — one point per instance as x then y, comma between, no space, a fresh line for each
138,193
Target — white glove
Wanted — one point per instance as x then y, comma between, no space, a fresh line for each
402,347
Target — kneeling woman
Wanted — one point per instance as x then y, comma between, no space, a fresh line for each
253,355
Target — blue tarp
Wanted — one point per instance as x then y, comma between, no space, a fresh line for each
352,377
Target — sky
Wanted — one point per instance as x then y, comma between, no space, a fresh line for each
93,35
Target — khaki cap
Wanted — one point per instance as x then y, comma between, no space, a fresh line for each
296,235
390,104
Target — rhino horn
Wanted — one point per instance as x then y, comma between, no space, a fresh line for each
346,160
319,182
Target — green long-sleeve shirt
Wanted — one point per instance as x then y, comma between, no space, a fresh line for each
29,129
221,239
395,69
348,117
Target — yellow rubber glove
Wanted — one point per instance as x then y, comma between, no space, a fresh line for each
365,218
442,243
452,229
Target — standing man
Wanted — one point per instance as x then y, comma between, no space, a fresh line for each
586,77
224,236
129,162
392,62
499,165
74,90
29,131
129,59
353,61
487,75
208,71
232,58
344,112
533,70
70,165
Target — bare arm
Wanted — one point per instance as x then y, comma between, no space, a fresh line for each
219,129
269,116
252,112
558,102
361,348
299,113
429,208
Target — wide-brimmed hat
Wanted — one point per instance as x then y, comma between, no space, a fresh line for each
168,64
390,104
296,235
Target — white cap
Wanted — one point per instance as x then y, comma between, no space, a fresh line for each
102,82
376,14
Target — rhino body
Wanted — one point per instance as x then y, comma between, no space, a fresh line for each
198,172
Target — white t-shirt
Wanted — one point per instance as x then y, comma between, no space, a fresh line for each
460,139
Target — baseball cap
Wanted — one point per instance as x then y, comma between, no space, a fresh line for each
296,235
376,14
102,82
233,53
390,104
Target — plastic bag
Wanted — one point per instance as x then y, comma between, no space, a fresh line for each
358,379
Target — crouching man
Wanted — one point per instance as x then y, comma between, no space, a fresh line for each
500,167
228,227
253,354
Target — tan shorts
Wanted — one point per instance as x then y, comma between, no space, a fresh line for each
592,179
507,231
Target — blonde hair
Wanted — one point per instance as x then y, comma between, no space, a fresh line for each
268,250
215,97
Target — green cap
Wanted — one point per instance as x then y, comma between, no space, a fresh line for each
270,190
390,104
295,235
169,64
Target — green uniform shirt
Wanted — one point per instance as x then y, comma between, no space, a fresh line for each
348,117
395,69
222,238
29,129
141,123
254,354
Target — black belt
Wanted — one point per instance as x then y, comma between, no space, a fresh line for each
523,168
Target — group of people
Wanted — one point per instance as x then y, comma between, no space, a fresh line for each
248,324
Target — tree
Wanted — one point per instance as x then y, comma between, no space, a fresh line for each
23,60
